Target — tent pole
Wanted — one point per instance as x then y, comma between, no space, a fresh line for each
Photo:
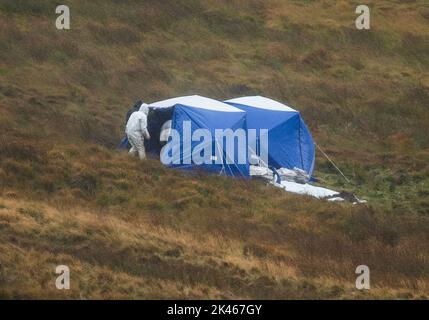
220,151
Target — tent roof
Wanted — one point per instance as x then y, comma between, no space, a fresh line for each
261,103
196,102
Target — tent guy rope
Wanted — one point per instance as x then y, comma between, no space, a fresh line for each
331,161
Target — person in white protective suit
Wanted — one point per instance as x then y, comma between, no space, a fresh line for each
136,130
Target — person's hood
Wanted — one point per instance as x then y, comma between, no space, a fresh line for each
144,108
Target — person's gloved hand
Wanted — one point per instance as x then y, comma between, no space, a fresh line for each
146,135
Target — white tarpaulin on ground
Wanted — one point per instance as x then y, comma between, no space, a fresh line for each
308,189
284,179
317,192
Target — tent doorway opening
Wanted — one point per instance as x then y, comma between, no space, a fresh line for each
159,124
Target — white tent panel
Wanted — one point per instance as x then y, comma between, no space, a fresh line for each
196,102
262,103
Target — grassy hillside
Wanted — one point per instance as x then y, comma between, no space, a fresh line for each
139,230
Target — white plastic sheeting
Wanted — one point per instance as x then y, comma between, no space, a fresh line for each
318,192
310,190
301,188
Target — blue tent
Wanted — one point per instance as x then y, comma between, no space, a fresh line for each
188,148
289,141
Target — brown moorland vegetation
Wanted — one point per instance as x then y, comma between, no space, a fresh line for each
139,230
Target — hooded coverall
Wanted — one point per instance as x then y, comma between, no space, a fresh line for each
136,131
